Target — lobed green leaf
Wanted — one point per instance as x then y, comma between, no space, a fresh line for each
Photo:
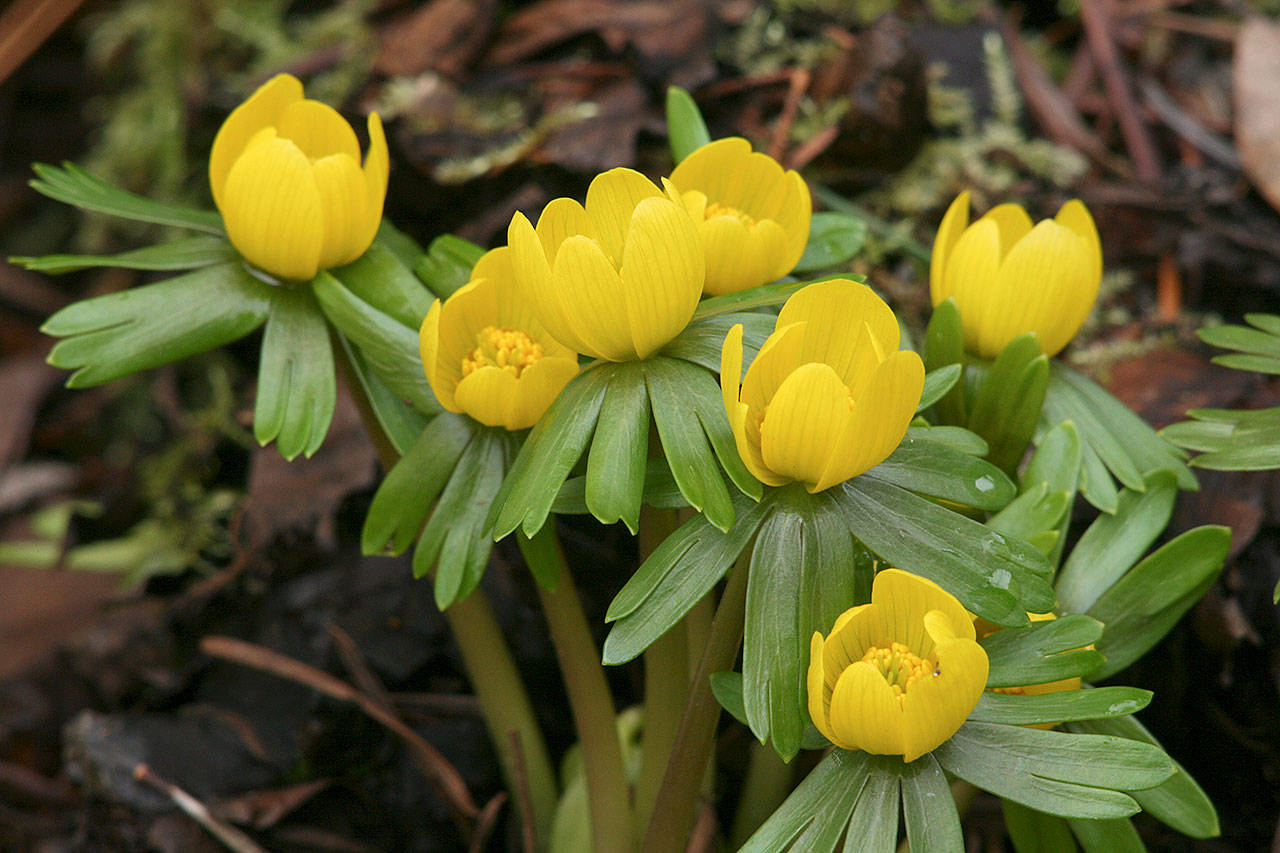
1042,652
72,185
297,390
686,131
184,254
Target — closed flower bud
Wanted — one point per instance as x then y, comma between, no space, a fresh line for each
1009,278
487,356
286,176
897,676
753,216
829,395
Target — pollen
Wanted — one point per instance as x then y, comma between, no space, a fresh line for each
715,209
900,666
505,348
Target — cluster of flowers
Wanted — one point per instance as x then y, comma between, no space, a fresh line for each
829,395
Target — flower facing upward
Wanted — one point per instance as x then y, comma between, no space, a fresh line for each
486,355
1009,278
897,676
285,173
829,395
753,216
615,279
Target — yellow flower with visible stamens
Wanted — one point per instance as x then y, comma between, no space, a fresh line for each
286,176
487,356
753,216
829,395
897,676
615,279
1009,278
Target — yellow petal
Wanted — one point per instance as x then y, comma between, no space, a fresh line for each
561,219
344,200
772,365
429,347
730,370
796,435
935,707
271,208
377,168
1013,222
864,711
318,129
903,599
539,385
734,260
972,264
858,629
533,276
487,394
1075,215
262,109
794,217
662,273
592,295
611,200
769,240
832,310
953,224
819,694
709,169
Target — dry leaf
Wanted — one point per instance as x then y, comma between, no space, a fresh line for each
1254,74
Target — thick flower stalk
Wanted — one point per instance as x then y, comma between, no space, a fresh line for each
615,279
829,395
753,216
900,675
286,176
487,356
1009,278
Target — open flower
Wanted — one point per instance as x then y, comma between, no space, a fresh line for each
897,676
753,216
487,356
614,280
286,176
829,395
1009,278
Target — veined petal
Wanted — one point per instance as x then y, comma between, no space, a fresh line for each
772,365
271,207
377,168
262,109
538,386
662,273
904,599
865,712
611,200
796,434
594,304
344,202
1014,224
708,169
953,224
734,260
694,201
933,709
1075,215
730,369
318,129
769,240
972,264
858,629
795,215
533,277
512,310
488,394
832,310
429,347
819,694
470,309
561,219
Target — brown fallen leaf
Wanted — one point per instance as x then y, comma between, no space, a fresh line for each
443,35
1255,70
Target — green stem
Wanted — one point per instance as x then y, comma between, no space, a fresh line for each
594,713
769,781
674,808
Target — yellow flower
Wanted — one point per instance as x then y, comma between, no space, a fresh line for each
1009,278
753,216
829,395
486,355
897,676
286,176
614,280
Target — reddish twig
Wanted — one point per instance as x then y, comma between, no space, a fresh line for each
799,83
528,832
485,823
231,837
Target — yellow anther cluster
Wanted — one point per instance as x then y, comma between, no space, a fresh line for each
509,349
715,209
899,665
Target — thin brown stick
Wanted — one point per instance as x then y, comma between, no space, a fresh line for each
799,83
486,821
358,667
25,25
231,838
528,832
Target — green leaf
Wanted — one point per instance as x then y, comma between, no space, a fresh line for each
660,491
1244,361
1243,339
727,688
184,254
1036,832
686,131
400,422
379,278
1113,543
1178,801
389,348
1056,465
937,383
752,297
938,471
616,461
1116,835
1037,709
72,185
822,801
297,390
1096,484
928,808
684,441
553,447
447,264
943,346
121,333
997,577
957,438
1141,607
703,339
1007,405
1042,652
406,495
834,238
1233,440
675,577
400,244
1070,775
1034,513
873,827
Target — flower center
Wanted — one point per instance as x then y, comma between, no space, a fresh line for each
499,346
900,666
715,208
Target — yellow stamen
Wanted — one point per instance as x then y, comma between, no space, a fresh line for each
900,666
715,208
509,349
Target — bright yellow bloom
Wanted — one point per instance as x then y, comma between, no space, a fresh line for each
897,676
1009,278
614,280
286,176
487,356
829,395
753,216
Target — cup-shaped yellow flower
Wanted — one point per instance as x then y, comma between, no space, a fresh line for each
615,279
752,215
286,176
487,356
1009,278
829,395
897,676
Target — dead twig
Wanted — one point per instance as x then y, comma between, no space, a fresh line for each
232,838
358,667
799,83
486,821
528,832
1167,110
25,25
